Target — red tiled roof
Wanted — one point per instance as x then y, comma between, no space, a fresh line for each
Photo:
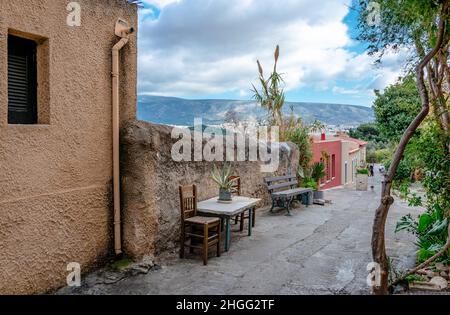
318,139
329,138
361,143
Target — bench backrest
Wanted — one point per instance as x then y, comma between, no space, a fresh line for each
279,183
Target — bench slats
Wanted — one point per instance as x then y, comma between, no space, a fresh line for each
278,178
287,193
292,192
283,185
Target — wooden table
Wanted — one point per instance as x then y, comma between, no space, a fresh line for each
227,211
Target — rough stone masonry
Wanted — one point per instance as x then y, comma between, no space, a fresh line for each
151,179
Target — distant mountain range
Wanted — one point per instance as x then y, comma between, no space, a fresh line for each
177,111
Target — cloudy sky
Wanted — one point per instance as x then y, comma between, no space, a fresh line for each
208,49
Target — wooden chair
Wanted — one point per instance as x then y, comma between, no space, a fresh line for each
236,190
196,228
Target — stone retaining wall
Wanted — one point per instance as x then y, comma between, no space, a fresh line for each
150,181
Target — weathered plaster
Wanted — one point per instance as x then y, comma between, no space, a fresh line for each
151,179
55,177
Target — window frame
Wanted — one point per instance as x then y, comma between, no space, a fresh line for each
20,47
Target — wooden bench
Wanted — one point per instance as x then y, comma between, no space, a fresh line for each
284,190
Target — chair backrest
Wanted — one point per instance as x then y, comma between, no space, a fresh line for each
188,201
236,187
281,183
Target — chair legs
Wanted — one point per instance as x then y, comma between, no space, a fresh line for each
205,244
253,217
219,233
243,217
183,240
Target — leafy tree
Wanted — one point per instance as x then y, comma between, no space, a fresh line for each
317,126
423,27
396,108
367,132
297,132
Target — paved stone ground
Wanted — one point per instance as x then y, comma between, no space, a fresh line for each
319,250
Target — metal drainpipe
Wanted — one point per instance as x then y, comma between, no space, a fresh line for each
123,31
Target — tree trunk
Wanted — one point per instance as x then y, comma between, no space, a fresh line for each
378,236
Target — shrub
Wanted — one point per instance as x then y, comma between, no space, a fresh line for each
362,171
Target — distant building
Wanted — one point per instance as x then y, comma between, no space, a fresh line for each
341,156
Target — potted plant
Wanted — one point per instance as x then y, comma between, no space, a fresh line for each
311,178
222,178
310,183
362,177
318,172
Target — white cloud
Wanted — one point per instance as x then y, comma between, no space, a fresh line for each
211,47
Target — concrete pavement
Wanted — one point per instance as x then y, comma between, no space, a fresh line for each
319,250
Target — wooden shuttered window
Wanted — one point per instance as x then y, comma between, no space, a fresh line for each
22,81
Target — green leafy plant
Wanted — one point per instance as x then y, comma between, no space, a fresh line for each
271,95
318,171
414,278
362,171
297,132
430,229
404,189
222,177
309,183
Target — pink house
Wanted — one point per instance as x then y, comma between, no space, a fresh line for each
341,155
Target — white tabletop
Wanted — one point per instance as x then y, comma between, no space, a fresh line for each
239,204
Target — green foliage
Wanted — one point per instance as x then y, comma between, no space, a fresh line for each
404,189
222,176
401,24
414,278
309,183
404,170
407,223
298,133
121,264
272,98
317,126
371,157
318,172
369,132
396,108
430,229
431,148
366,132
412,24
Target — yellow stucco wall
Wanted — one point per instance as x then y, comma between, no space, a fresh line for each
55,178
